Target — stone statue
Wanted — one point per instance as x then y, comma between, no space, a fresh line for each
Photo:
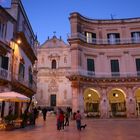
131,108
104,108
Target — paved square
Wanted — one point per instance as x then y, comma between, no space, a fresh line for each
97,129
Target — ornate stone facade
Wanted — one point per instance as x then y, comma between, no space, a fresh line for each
54,61
105,66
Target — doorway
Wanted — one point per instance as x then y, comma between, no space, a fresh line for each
91,102
117,102
53,100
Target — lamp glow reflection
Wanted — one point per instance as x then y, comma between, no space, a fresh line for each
89,95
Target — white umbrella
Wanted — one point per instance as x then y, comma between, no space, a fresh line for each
12,96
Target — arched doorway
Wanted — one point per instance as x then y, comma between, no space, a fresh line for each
117,101
91,102
137,97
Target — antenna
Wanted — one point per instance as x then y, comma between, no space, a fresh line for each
112,16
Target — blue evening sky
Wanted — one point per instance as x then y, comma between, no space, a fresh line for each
47,16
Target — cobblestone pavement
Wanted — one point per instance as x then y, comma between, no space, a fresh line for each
97,129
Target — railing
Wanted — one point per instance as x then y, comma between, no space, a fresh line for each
23,28
4,40
104,41
102,74
24,82
81,72
4,74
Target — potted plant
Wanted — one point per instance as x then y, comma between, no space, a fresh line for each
9,124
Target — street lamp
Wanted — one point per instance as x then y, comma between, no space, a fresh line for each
18,41
89,95
115,95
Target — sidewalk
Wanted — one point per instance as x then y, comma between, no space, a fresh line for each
97,129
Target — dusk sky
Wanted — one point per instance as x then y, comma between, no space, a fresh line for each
47,16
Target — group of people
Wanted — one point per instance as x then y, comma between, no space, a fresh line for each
63,119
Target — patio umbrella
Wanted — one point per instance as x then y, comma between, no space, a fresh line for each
12,96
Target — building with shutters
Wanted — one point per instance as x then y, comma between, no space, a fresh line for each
105,66
18,45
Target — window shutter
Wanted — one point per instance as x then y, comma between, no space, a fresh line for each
114,66
5,61
90,65
138,64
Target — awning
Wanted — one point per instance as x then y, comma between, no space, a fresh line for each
12,96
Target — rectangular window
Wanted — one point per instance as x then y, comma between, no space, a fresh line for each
135,37
113,38
115,68
30,78
138,66
21,71
90,37
2,27
90,67
4,62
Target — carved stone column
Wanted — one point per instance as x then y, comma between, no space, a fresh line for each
81,100
130,104
104,105
75,97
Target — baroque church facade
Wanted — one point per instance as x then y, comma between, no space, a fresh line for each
54,61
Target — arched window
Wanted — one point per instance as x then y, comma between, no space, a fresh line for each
53,64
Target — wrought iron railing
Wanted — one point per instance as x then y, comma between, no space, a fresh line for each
32,85
4,74
98,41
102,74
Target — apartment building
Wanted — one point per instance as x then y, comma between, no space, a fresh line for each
18,55
105,66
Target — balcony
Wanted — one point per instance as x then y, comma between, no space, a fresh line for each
101,74
4,74
97,41
17,79
25,33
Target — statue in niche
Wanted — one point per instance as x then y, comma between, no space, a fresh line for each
65,59
131,108
42,59
104,108
65,94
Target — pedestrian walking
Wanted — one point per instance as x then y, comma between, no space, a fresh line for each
61,118
44,112
58,118
66,119
78,121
